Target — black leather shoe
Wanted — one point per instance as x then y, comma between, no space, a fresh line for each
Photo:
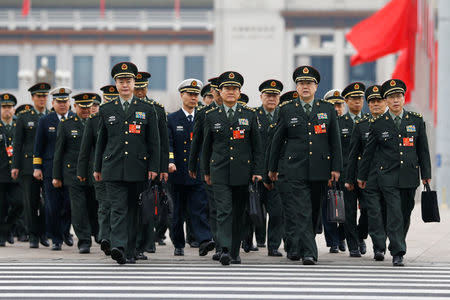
10,238
225,258
362,247
260,245
23,238
131,261
397,261
84,250
308,260
68,240
274,252
216,256
34,244
118,255
205,247
294,256
246,247
342,247
44,241
334,249
105,245
253,248
178,252
141,256
150,250
378,255
355,253
161,242
194,244
236,260
56,247
2,243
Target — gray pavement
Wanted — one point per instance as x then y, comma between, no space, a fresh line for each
428,245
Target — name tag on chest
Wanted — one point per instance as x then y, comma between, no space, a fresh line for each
31,124
217,126
180,128
345,130
52,129
385,134
134,128
321,128
74,132
111,118
238,134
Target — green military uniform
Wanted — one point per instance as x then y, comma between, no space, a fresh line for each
127,149
232,153
11,202
194,162
354,234
312,152
82,194
397,148
23,146
376,208
85,169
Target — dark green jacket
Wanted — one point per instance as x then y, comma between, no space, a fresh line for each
163,135
358,142
85,165
27,122
397,154
6,140
266,131
232,151
128,146
67,148
197,136
313,145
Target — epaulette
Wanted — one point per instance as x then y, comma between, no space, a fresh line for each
373,119
286,102
24,111
93,115
363,119
273,125
326,102
416,114
248,108
212,109
69,118
200,108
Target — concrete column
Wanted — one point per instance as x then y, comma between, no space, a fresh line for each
339,69
443,134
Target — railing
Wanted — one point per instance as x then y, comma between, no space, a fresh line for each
334,5
113,19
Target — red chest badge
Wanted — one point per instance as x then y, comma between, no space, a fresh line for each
9,151
192,134
134,128
318,129
238,134
408,142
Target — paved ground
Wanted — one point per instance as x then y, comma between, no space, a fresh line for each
428,244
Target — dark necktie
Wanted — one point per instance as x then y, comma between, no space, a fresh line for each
190,118
8,127
230,114
307,109
357,118
269,115
397,121
126,105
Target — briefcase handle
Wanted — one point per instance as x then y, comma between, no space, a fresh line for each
426,187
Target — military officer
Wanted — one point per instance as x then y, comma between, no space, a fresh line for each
335,98
334,233
231,159
373,198
57,202
312,157
398,149
82,196
127,154
206,94
146,236
354,98
194,159
96,101
189,194
22,164
243,99
85,169
268,115
11,202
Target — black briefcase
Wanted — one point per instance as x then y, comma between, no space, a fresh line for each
430,205
147,200
335,205
256,210
164,205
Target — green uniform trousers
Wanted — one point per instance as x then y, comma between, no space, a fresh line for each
34,206
11,206
83,206
376,213
212,208
230,202
302,207
123,197
104,211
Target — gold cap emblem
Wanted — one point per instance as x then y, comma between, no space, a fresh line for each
139,76
231,76
375,89
336,93
295,95
85,96
62,91
356,86
273,84
194,83
124,67
392,83
42,86
305,70
111,89
6,97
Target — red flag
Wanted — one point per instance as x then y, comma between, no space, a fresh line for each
176,7
26,6
102,8
382,33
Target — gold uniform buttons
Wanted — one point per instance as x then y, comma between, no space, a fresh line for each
309,133
310,153
231,138
126,142
68,165
126,122
399,135
401,153
231,148
401,161
231,158
126,153
231,128
185,142
126,132
309,124
184,159
381,168
310,143
185,150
